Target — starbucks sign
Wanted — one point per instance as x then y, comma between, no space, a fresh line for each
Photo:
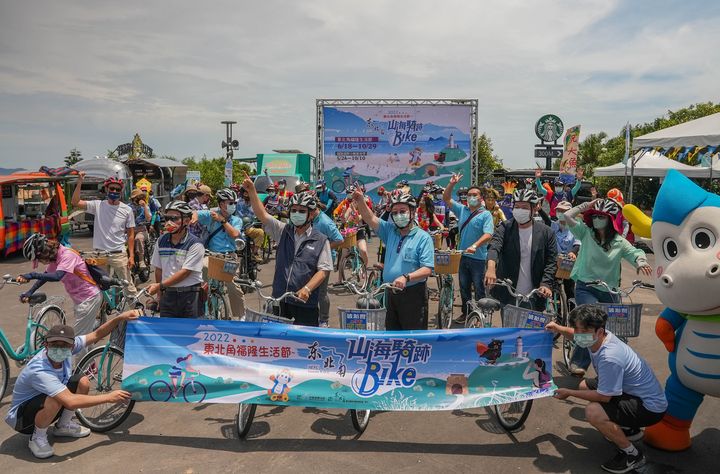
549,128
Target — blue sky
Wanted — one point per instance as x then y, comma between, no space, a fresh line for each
89,74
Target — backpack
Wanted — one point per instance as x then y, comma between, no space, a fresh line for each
98,276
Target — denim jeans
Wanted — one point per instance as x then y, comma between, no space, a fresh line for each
471,273
586,294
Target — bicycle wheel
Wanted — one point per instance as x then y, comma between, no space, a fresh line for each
50,317
218,306
338,186
160,391
196,392
567,350
266,249
372,281
4,373
445,304
360,419
512,416
104,370
244,418
475,320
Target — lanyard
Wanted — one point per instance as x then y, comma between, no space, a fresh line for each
402,239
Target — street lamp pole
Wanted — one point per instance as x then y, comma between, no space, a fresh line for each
230,145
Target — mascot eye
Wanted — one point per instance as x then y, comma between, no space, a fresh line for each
670,249
703,239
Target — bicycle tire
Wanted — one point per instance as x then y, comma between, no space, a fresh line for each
266,249
475,320
45,322
244,419
202,390
158,384
567,350
116,413
445,304
360,419
338,186
4,373
508,423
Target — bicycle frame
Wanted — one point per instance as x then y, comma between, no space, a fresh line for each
26,352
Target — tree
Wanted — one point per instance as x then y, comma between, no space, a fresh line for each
488,161
75,156
590,150
212,170
112,155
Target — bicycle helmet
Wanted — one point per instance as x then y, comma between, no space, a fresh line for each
32,246
226,194
401,183
525,195
270,188
403,198
604,207
304,199
616,195
180,206
113,180
302,186
463,190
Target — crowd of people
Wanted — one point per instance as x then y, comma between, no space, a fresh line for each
501,236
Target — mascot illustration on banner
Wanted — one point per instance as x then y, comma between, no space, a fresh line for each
685,232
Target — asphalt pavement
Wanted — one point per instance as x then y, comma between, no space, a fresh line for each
160,437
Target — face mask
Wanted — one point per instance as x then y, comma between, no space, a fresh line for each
231,209
584,339
558,189
281,187
473,201
522,216
599,222
528,186
271,194
401,220
172,227
298,218
113,196
438,196
59,354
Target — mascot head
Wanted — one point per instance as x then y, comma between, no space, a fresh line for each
686,241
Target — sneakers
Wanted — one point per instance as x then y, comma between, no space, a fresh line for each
623,462
461,319
71,430
577,370
40,447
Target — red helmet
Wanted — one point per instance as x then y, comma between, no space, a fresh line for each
113,180
616,195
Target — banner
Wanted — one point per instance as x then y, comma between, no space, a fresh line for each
187,360
568,163
381,145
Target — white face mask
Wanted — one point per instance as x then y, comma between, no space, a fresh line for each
230,209
522,216
298,219
599,222
401,220
558,189
473,201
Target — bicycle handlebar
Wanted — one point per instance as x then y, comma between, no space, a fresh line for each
623,292
8,279
507,283
257,284
360,292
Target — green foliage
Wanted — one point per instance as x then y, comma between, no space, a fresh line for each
75,156
488,161
212,170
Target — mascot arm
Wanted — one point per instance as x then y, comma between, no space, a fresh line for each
640,222
665,327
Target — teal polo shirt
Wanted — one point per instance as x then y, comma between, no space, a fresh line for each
221,242
405,254
481,224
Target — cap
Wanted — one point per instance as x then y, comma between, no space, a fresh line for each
61,333
136,193
205,189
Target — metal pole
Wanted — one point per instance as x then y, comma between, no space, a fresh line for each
228,151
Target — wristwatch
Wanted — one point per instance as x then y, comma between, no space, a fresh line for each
407,277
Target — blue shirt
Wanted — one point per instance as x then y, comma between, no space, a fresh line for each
405,254
139,212
221,242
243,209
481,224
620,370
326,226
564,238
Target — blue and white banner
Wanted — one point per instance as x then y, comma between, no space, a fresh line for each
186,360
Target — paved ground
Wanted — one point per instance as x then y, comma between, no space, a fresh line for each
200,438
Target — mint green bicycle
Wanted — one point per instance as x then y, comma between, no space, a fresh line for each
43,313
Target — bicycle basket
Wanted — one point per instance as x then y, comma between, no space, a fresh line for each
117,336
362,319
516,317
350,241
222,269
447,262
258,317
623,319
564,267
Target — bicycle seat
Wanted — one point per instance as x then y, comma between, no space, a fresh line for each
37,298
489,304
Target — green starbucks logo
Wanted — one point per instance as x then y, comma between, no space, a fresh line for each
549,128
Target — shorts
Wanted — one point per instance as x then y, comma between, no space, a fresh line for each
27,411
627,410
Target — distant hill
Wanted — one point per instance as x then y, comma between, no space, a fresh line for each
4,171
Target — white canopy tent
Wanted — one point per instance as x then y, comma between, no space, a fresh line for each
650,164
704,131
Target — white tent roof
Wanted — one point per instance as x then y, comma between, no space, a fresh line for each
699,132
652,165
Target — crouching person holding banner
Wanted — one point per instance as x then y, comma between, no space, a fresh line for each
409,261
178,261
303,258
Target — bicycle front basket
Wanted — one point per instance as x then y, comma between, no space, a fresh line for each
623,319
258,317
516,317
362,319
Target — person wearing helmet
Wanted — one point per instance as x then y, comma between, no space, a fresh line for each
441,210
272,201
616,195
247,215
559,191
178,262
223,226
409,261
462,195
143,212
347,214
67,266
283,193
303,258
327,199
476,227
600,258
200,203
567,244
114,228
524,251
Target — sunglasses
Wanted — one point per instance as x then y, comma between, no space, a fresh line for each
114,190
173,218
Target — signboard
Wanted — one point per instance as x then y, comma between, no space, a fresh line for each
228,172
193,177
280,164
380,145
548,153
549,128
190,360
568,163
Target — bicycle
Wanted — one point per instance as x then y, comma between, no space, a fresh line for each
143,273
623,319
162,391
222,268
375,280
350,262
39,322
371,317
112,297
103,366
445,267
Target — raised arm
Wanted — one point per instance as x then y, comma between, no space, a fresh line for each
75,200
447,194
367,215
257,205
